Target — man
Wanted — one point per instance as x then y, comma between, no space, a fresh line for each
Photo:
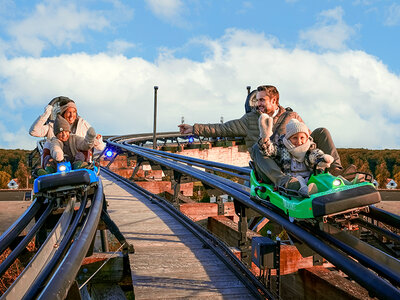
247,127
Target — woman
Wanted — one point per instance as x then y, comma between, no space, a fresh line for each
66,107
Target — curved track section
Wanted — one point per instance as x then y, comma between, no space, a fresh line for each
339,249
52,270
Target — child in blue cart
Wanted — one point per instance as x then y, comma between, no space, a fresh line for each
295,153
67,146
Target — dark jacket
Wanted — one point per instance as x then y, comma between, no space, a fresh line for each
246,126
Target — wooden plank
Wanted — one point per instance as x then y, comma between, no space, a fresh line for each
169,261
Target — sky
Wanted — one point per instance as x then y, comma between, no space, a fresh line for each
336,63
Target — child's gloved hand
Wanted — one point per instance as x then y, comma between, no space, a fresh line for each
265,123
327,160
91,133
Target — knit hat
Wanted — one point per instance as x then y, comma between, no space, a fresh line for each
294,126
64,107
60,124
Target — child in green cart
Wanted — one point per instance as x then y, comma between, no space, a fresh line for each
294,152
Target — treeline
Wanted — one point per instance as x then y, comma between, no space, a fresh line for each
382,164
13,164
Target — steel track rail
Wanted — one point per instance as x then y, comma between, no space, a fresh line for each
20,224
379,230
383,216
64,276
220,249
25,241
382,263
376,213
208,165
21,285
232,184
223,166
369,280
49,268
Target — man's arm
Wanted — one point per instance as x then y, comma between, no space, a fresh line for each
233,128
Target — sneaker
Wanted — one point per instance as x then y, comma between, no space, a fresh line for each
349,173
50,170
41,172
289,183
312,188
303,192
358,178
80,165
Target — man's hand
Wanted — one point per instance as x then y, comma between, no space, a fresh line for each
265,124
326,163
185,128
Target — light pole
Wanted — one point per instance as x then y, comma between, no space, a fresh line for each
155,118
248,89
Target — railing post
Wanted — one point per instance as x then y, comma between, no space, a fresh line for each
155,118
220,203
177,188
244,243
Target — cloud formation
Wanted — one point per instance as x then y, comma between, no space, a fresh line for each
350,92
392,15
54,23
167,10
330,32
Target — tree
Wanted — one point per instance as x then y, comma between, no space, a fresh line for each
396,178
7,169
22,175
4,179
382,174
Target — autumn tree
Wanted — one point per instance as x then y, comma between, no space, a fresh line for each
22,175
4,179
382,174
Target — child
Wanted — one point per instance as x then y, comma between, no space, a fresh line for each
68,146
294,152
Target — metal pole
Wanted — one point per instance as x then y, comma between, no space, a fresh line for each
248,89
155,118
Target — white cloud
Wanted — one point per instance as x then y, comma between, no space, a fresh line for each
350,92
330,31
16,139
392,15
54,23
168,10
119,47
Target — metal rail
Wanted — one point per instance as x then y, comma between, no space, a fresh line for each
219,248
21,285
369,280
19,225
64,276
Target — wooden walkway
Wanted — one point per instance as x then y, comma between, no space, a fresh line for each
169,261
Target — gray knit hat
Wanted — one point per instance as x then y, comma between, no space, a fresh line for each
60,124
294,126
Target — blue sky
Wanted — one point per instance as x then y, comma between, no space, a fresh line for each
334,62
